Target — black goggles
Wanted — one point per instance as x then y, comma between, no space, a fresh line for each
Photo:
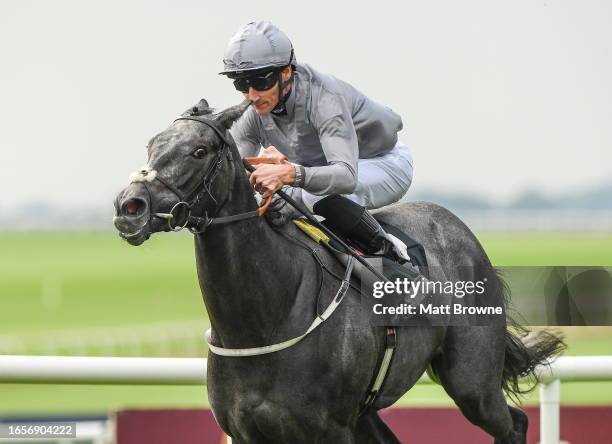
259,82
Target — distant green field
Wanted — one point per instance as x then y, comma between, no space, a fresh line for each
51,283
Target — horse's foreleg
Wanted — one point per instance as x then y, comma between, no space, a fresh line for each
372,430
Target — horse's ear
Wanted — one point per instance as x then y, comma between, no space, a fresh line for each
228,116
198,109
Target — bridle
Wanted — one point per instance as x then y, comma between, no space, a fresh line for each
187,202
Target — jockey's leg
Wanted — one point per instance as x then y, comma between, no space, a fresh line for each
354,222
382,181
350,219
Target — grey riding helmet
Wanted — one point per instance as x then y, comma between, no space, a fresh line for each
257,46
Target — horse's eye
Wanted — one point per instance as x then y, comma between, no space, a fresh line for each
199,153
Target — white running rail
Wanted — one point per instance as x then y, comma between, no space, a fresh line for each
192,371
102,370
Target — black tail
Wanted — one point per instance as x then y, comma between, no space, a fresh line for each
525,350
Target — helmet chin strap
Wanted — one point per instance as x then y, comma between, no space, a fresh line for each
280,108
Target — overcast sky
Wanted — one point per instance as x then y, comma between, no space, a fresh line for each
496,97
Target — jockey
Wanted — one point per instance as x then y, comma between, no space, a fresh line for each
336,150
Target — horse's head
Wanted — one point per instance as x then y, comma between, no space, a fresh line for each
183,175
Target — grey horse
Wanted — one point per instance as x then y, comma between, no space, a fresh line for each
263,284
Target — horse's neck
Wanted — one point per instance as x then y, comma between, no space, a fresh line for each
247,278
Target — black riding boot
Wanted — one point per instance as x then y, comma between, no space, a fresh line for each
350,219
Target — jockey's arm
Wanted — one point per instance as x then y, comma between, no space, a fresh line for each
334,178
339,176
338,138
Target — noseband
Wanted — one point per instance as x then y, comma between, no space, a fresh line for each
187,202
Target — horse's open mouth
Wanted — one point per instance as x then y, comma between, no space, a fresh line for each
136,238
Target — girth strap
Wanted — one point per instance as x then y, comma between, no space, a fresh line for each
383,369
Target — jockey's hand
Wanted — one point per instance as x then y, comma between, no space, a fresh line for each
269,178
274,155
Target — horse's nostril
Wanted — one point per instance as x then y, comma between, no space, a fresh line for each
133,206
